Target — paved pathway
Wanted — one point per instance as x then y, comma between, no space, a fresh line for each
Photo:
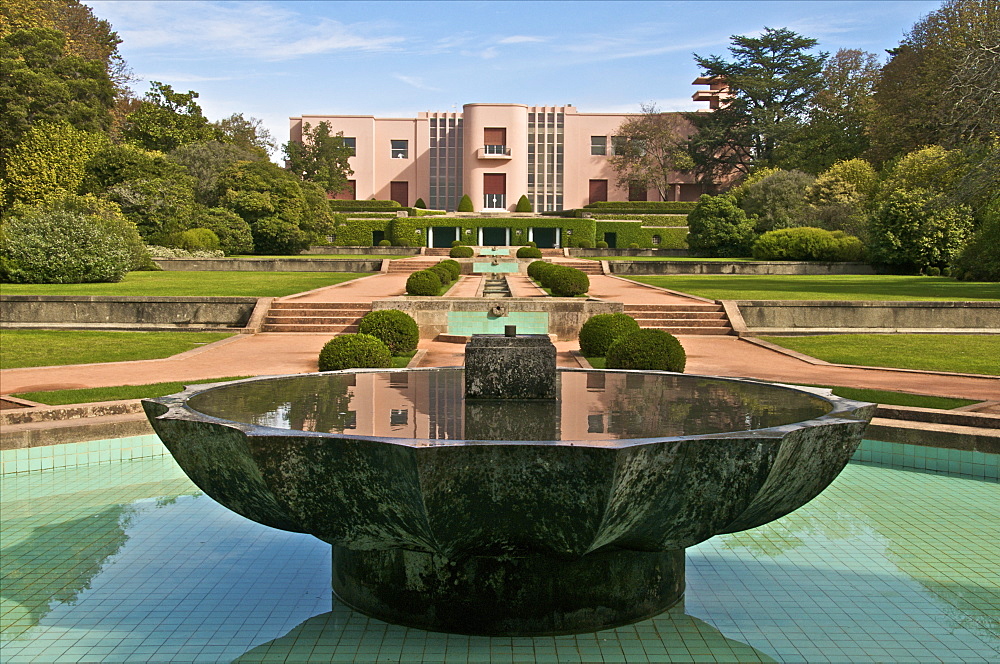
276,353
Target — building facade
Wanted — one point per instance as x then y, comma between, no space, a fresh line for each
495,153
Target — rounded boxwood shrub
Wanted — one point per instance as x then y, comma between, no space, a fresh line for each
933,271
354,351
646,349
568,282
452,266
396,329
423,282
196,239
805,243
601,244
384,243
600,331
443,273
534,269
529,252
633,245
420,204
584,244
523,204
544,272
465,204
461,252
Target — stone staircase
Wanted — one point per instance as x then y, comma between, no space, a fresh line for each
321,317
438,251
410,265
587,267
694,318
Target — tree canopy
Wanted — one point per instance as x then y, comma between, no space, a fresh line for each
321,157
652,150
166,119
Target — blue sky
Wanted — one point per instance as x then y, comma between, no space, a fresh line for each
273,60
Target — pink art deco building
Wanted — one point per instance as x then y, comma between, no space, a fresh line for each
495,153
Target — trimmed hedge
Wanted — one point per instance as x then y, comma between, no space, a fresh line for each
647,207
423,282
563,281
630,232
361,206
646,219
403,230
528,252
534,269
443,273
465,204
461,252
396,329
358,232
805,243
600,331
354,351
452,266
647,350
523,204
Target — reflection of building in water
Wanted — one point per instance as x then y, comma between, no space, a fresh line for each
409,405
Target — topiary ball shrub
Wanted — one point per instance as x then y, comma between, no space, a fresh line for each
443,273
568,282
584,244
633,245
933,271
423,282
602,244
384,243
354,351
396,329
545,272
452,266
600,331
523,204
535,268
420,204
529,252
648,350
461,252
465,204
533,244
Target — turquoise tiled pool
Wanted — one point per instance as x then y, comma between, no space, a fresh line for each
480,268
481,322
494,252
125,561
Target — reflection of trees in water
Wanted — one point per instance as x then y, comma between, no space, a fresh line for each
57,562
859,505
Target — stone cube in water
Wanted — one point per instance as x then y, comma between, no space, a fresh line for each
502,367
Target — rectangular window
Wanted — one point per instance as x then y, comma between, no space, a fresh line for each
352,143
598,145
400,149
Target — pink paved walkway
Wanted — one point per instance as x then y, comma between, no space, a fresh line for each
273,353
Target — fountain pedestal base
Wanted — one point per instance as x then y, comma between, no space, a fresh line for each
509,596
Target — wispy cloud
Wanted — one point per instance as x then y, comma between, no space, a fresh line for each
415,81
249,29
173,78
521,39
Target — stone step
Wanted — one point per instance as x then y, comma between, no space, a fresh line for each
691,330
693,306
681,322
313,328
317,320
341,309
658,315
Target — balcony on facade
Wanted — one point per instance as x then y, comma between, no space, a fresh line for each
494,152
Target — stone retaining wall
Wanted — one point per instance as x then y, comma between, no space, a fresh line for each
125,312
775,317
663,253
566,315
268,265
748,267
376,251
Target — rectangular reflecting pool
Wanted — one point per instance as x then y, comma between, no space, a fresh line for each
125,561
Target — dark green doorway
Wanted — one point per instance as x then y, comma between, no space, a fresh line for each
493,237
443,236
544,238
377,236
612,240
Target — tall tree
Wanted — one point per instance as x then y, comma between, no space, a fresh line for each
838,116
248,133
652,150
321,157
166,119
772,78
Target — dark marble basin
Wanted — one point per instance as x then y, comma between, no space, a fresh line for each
509,517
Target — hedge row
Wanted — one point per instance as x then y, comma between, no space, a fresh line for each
629,233
647,207
403,230
361,206
646,219
357,232
562,280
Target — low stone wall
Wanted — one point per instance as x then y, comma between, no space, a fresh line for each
371,251
748,267
125,312
566,315
776,317
663,253
268,265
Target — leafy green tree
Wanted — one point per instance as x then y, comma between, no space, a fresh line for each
772,78
158,207
778,201
39,82
205,161
233,232
321,157
910,230
166,119
51,157
114,164
980,257
717,227
270,200
933,169
842,196
249,134
652,149
86,35
838,115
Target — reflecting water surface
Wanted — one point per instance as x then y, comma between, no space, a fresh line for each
593,406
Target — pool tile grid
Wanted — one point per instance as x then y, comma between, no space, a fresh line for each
48,457
480,322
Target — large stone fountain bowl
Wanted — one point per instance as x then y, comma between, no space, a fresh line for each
434,524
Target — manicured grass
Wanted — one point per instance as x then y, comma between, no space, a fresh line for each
665,259
326,257
964,353
116,393
42,348
400,361
823,287
245,284
875,396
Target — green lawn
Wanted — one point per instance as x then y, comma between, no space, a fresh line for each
116,393
824,287
42,348
326,257
964,353
665,259
875,396
248,284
